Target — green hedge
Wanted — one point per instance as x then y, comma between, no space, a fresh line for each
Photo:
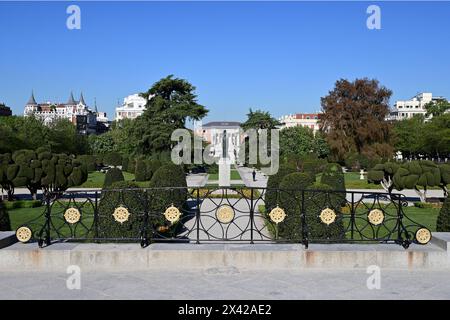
112,159
271,197
113,175
5,224
315,202
443,220
133,200
140,172
9,205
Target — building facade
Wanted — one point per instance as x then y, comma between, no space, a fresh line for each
309,120
213,133
77,112
406,109
133,106
5,111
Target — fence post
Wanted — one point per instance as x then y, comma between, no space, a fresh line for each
197,216
303,219
399,221
47,220
251,216
96,215
352,217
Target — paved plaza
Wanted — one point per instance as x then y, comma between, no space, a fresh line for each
228,283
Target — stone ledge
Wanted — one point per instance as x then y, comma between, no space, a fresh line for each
130,257
7,238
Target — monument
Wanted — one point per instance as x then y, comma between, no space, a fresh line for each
224,163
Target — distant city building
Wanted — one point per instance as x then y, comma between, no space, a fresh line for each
5,111
406,109
212,132
76,112
133,106
309,120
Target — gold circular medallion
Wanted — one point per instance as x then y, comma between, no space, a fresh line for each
225,214
23,234
328,216
375,216
423,236
72,215
277,215
172,214
121,214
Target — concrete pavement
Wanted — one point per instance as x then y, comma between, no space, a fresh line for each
228,283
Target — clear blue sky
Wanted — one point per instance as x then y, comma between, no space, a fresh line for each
280,57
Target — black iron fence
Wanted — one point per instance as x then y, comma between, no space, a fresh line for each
202,215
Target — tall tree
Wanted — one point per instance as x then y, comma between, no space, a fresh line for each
259,120
437,108
354,118
408,135
171,102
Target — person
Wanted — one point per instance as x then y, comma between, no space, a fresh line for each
254,175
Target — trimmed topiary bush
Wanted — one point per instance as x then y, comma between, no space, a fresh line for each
151,167
290,200
169,175
5,224
133,199
140,173
315,202
443,220
125,162
334,177
113,175
271,197
112,159
131,166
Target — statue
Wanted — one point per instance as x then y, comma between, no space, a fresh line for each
224,144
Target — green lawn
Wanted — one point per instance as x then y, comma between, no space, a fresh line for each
234,175
95,180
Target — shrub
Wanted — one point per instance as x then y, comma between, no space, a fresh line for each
133,199
315,202
125,162
169,175
9,205
113,159
273,183
290,199
5,224
113,175
140,172
443,220
334,177
131,166
151,167
88,161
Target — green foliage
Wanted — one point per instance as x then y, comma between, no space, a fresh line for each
259,120
101,144
131,165
5,224
437,108
315,202
89,161
113,175
112,159
141,170
171,101
443,220
417,173
333,176
273,183
9,205
301,142
125,162
114,196
169,175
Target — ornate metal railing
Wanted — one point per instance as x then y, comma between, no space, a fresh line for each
201,215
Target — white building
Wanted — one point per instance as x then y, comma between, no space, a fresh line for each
133,106
213,132
406,109
76,112
309,120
